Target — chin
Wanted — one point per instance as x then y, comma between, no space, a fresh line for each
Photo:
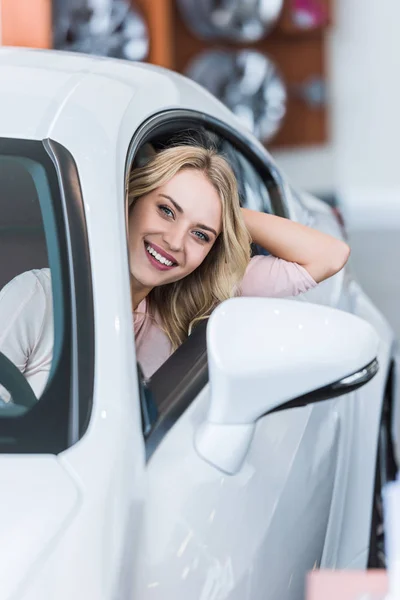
148,280
145,282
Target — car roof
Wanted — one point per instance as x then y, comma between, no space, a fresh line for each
57,61
38,85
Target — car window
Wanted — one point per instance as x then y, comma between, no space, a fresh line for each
302,213
38,349
256,196
253,192
173,387
25,278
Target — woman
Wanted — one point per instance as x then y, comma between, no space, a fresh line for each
189,246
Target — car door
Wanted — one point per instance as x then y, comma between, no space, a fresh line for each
254,534
358,412
336,292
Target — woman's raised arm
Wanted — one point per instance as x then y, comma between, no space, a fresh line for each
319,253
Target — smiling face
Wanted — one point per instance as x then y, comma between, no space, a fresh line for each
172,229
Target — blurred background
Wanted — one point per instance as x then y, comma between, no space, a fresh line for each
315,80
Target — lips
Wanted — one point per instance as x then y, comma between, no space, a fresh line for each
162,252
155,261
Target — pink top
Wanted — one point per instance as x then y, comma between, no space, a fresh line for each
347,585
266,276
26,319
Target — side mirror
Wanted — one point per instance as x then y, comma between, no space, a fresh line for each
267,354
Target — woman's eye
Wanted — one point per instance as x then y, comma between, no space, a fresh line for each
166,210
202,236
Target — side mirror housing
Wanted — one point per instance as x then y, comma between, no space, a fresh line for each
268,354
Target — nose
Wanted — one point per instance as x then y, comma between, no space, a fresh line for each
174,238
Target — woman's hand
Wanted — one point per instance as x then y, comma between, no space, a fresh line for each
320,254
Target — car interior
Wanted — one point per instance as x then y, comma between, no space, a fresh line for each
22,239
22,244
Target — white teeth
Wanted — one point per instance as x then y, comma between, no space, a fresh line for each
158,257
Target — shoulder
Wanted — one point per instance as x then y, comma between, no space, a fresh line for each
43,281
27,296
276,277
25,313
29,283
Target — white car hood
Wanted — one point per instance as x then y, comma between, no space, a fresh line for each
37,498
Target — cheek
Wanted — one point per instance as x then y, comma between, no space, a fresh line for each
137,220
198,255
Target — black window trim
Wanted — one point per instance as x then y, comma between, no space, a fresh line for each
62,414
81,290
181,119
176,384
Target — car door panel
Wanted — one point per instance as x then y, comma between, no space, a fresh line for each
348,540
354,533
296,535
210,535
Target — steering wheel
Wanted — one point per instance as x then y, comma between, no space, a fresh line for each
13,380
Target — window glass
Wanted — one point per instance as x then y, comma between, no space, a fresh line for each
179,379
26,316
40,355
253,192
303,215
22,237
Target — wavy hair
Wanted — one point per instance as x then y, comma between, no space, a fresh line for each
181,303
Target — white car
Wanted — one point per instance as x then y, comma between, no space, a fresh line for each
222,478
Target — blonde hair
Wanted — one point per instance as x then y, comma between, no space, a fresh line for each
181,303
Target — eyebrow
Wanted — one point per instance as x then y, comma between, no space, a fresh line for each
180,210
